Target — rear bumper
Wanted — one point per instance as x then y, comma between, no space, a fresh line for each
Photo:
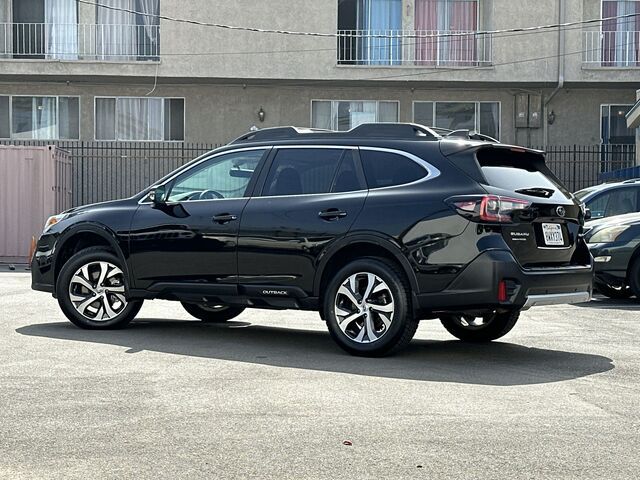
556,299
476,288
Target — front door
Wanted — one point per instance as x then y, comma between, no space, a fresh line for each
310,197
193,238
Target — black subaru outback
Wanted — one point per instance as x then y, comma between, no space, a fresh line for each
375,228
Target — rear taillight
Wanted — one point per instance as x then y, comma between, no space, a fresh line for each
488,208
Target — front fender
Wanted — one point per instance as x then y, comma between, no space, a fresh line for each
71,234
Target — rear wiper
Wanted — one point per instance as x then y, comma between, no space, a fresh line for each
537,192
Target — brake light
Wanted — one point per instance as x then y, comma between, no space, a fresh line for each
489,208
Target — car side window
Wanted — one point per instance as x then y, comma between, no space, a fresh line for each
302,171
621,201
386,169
347,178
614,202
226,176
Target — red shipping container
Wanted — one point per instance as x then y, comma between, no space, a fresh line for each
35,183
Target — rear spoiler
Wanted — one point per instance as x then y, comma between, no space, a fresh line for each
450,146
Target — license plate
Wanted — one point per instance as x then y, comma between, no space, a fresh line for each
553,234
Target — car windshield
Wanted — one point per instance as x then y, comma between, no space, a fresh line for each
583,193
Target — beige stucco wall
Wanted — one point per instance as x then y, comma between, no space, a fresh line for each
299,69
232,54
217,113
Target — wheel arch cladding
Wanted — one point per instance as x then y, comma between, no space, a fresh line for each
360,248
82,237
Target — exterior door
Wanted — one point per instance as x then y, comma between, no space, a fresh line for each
193,238
28,30
309,198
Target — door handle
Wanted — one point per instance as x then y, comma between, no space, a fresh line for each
225,218
332,214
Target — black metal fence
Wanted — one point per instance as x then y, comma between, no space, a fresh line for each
109,170
580,166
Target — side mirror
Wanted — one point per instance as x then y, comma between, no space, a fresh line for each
158,195
587,214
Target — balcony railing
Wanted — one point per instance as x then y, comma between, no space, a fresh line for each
414,48
612,49
80,41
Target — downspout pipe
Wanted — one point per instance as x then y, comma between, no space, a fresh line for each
562,13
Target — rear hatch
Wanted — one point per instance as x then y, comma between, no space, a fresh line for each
537,216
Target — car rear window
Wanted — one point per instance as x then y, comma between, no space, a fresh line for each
514,178
519,171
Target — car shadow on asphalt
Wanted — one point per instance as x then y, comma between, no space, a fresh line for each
606,303
497,363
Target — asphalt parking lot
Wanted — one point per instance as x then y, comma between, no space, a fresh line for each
271,396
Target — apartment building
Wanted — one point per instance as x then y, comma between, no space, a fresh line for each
112,70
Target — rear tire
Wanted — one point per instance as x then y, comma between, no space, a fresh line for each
213,314
91,290
368,309
618,293
470,329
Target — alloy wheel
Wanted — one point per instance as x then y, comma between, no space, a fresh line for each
364,307
96,291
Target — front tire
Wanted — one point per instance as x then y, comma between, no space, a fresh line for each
618,293
469,328
368,309
91,290
212,314
634,278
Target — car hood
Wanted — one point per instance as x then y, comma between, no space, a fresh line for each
626,219
98,206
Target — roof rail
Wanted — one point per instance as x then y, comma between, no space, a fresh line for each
395,130
277,133
468,135
398,131
632,180
372,130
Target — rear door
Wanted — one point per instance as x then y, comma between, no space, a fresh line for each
546,233
309,198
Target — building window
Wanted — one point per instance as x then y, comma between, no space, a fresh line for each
621,36
39,118
344,115
614,129
367,31
139,119
44,29
130,33
446,16
372,33
124,30
483,117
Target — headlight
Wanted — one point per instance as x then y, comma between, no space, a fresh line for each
51,221
608,234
